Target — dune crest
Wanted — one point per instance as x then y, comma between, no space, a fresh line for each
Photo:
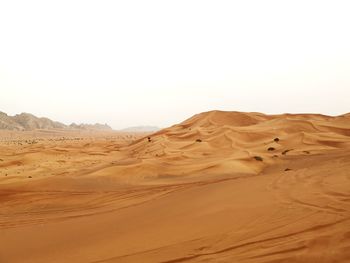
220,143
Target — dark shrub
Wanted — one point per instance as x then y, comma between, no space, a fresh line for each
277,139
198,140
258,158
271,149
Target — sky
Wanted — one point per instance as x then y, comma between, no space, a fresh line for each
129,63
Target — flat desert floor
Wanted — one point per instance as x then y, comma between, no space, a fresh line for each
219,187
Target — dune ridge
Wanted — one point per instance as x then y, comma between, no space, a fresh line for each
219,142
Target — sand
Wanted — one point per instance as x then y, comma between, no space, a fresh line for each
219,187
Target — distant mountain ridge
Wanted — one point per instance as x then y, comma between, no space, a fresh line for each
141,129
29,122
96,126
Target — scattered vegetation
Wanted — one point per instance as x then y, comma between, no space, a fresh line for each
198,140
149,139
258,158
271,149
31,141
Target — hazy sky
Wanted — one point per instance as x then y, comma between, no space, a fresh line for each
158,62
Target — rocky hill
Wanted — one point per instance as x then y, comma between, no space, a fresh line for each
29,122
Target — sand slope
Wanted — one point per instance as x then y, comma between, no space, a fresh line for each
206,190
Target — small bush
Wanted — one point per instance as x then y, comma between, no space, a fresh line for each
198,140
271,149
277,139
287,169
258,158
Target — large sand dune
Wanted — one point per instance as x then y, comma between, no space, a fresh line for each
219,187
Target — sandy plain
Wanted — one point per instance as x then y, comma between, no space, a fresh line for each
219,187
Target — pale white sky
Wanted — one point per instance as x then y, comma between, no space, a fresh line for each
133,63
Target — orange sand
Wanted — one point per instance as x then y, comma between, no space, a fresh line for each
194,192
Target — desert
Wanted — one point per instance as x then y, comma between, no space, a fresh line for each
218,187
188,131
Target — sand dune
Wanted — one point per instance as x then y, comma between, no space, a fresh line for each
218,187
